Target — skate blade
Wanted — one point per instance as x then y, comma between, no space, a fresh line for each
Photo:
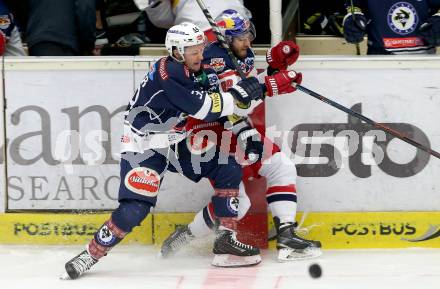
65,276
288,254
231,261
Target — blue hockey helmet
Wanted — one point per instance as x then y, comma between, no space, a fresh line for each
233,24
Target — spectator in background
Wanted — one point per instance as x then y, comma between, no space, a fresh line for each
10,41
321,17
166,13
394,26
61,27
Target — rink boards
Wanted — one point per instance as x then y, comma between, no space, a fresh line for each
334,230
63,125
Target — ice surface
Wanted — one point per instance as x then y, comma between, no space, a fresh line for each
127,267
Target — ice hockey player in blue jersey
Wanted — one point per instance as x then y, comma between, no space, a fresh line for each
176,86
394,26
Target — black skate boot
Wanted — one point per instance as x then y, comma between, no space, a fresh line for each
179,238
229,252
293,247
78,265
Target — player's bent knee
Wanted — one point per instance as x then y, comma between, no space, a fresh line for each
130,214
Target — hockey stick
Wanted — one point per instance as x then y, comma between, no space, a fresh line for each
369,121
220,38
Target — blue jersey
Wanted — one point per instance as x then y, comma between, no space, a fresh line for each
167,95
393,24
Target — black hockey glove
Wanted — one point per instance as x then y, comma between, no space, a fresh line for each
430,30
249,140
247,90
355,25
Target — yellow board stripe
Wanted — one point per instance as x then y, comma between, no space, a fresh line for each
335,230
350,230
54,228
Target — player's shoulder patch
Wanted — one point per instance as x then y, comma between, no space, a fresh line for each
217,63
217,57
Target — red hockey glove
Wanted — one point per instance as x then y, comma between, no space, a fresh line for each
282,82
282,55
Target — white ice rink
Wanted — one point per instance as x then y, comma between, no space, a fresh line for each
127,267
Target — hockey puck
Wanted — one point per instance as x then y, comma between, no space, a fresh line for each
315,271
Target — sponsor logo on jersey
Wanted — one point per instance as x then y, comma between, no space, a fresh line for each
402,18
4,21
162,69
105,236
218,64
143,181
216,102
402,42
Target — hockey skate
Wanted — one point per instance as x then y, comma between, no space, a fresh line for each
78,265
179,238
292,247
229,252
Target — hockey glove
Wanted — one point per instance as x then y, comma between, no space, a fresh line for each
430,30
282,55
249,140
282,82
246,90
355,25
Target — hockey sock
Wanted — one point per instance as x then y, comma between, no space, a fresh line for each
128,215
225,204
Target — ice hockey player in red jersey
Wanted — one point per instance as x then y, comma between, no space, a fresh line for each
274,165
